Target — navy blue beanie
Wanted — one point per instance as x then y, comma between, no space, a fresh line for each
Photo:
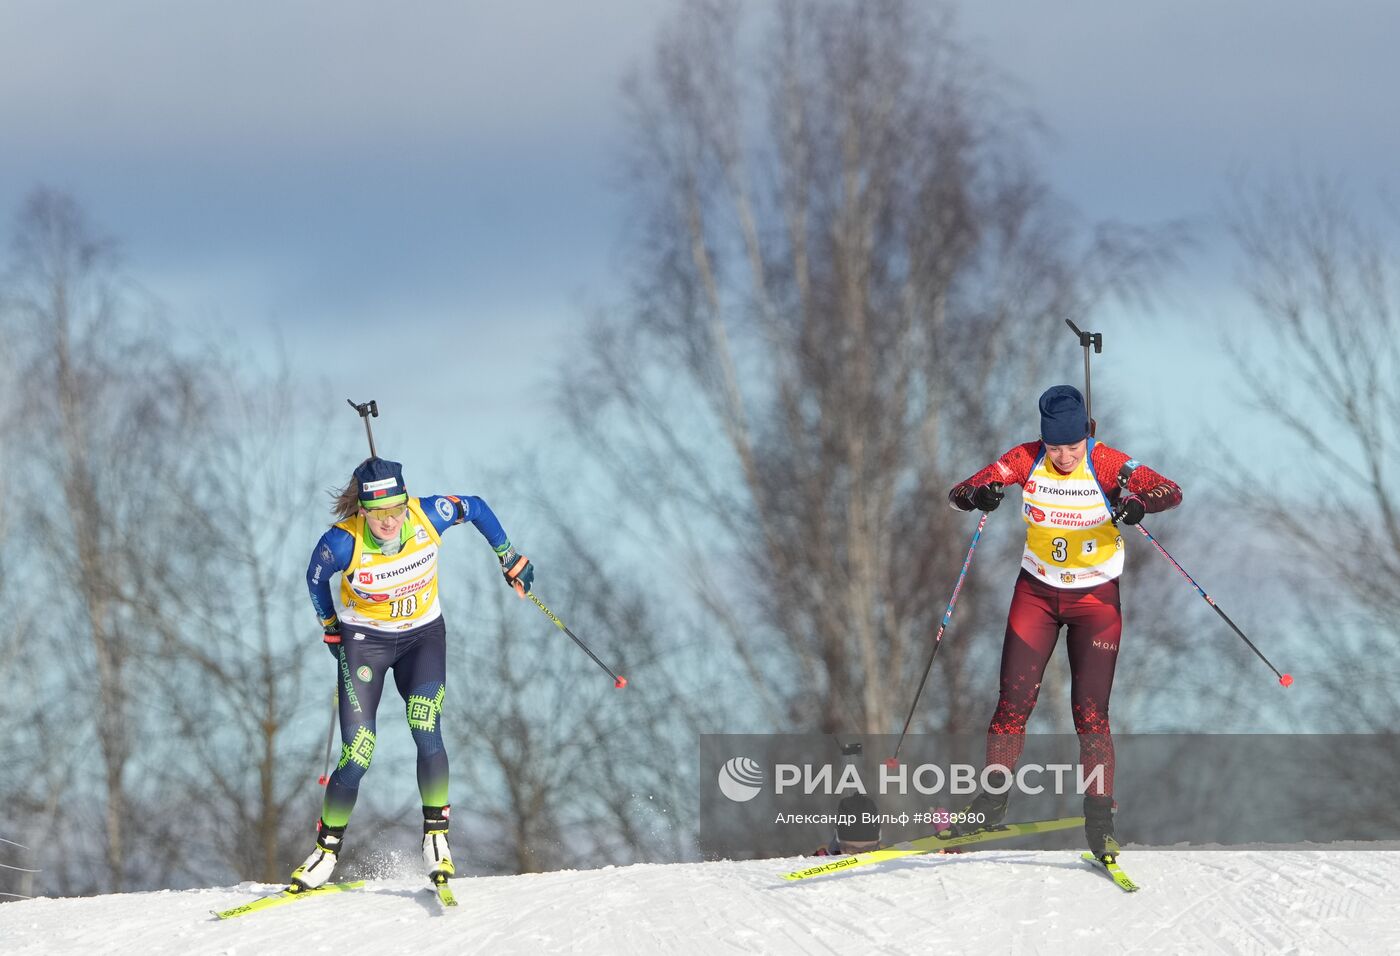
381,482
1063,419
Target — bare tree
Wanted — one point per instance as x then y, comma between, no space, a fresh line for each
63,291
232,668
110,439
1322,363
848,280
25,755
566,770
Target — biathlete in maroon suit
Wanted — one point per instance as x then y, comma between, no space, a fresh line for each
1071,485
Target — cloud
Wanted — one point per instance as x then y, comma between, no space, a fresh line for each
149,76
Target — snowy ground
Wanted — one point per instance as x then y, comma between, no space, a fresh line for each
1003,901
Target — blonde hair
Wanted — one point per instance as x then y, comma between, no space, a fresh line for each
345,503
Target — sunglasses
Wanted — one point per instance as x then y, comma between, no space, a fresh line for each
386,514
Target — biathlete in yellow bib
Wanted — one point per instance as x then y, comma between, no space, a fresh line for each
1070,487
385,549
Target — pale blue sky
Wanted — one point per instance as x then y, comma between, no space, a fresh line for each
440,171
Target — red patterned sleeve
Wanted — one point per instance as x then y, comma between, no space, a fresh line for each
1014,467
1157,492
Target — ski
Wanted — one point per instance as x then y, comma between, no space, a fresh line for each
287,895
933,844
1114,871
444,892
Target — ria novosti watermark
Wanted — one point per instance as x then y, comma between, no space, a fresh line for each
1170,790
928,779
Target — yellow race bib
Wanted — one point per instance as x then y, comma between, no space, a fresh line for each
1070,541
394,592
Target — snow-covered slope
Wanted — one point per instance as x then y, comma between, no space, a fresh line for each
994,902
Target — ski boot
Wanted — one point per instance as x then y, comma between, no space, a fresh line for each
1098,828
984,812
321,863
437,855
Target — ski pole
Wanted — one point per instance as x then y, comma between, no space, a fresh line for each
1285,679
938,638
325,778
618,682
1087,339
17,869
366,409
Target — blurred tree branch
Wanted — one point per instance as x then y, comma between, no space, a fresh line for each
1323,363
845,267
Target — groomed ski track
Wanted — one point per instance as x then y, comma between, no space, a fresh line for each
1001,901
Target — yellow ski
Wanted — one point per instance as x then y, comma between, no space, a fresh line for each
444,892
932,844
1109,864
288,895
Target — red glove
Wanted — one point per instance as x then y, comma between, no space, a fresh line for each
332,637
